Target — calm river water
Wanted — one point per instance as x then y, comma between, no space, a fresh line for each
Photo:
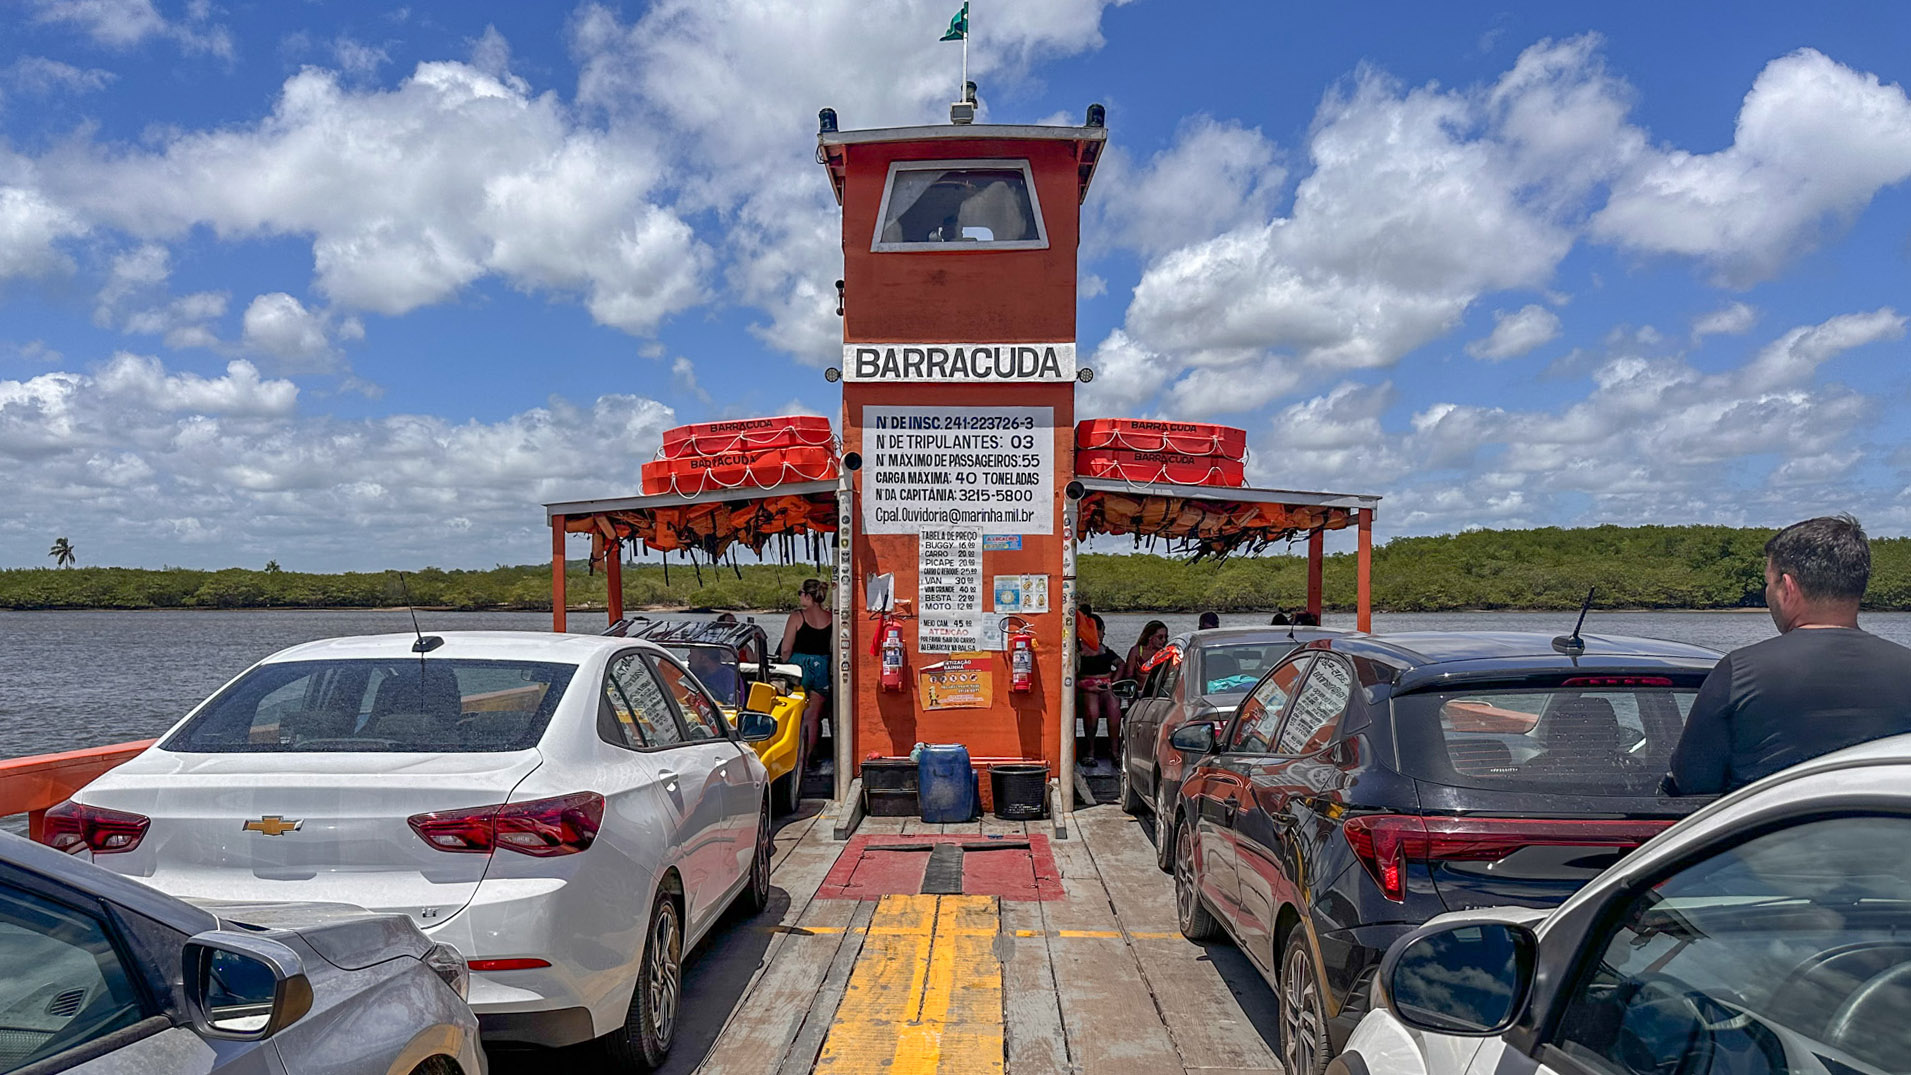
79,679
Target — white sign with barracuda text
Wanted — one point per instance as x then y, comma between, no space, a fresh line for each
959,468
959,363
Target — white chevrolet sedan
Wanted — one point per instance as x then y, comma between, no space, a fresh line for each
571,812
1769,933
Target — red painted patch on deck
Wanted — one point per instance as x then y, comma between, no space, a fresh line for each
863,872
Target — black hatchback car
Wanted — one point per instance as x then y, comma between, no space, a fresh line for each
1368,783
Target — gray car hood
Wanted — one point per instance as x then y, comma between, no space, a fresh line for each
350,938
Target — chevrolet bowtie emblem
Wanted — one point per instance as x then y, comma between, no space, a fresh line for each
274,825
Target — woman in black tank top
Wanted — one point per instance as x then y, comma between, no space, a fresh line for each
807,641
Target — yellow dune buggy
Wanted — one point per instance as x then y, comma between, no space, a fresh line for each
728,659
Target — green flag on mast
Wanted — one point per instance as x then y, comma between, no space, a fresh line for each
958,26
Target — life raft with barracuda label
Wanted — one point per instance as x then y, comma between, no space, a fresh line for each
1174,468
767,469
747,435
1146,435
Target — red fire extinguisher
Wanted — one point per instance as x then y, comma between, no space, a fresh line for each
889,646
1022,658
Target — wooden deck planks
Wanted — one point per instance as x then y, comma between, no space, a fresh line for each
1035,1040
1112,1024
1210,997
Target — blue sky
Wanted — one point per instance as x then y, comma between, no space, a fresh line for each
358,286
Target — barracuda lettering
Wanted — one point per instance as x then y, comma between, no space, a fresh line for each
995,362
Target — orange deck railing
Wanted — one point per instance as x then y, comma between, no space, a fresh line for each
32,784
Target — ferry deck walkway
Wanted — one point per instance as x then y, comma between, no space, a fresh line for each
1095,979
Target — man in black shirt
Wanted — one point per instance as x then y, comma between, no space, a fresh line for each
1821,685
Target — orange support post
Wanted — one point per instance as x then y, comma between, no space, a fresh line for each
557,574
1364,597
1316,546
614,580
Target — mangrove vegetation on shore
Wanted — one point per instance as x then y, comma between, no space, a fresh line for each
1696,567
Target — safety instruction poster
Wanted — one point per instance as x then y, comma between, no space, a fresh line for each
1020,593
949,571
940,468
963,682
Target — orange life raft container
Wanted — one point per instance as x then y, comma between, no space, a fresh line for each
691,475
1176,468
1143,435
747,435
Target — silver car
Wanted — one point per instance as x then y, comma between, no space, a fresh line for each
100,974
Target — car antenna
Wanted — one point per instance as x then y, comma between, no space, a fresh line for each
1572,643
426,643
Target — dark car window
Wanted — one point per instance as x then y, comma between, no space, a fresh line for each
1600,740
1315,713
1235,668
1168,674
384,705
644,714
61,984
1801,934
701,717
1260,713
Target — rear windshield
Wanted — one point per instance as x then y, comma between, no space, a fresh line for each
1235,669
1614,740
374,706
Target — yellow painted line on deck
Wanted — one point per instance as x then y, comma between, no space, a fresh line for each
925,995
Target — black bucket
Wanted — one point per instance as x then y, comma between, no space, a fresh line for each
1020,791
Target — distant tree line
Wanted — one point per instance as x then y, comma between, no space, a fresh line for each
1701,567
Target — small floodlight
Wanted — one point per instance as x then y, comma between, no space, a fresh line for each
832,375
1075,490
852,461
1085,374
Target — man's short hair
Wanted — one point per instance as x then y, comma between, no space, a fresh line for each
1828,556
1209,620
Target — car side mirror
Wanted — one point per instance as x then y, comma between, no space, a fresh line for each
762,698
244,987
757,727
1125,689
1469,978
1198,737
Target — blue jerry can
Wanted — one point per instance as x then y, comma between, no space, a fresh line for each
945,783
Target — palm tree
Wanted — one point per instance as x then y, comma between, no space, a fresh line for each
62,553
271,567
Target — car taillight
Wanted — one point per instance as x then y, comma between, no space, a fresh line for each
75,827
509,964
1617,681
544,828
1386,843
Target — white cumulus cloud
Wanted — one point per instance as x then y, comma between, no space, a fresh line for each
1516,333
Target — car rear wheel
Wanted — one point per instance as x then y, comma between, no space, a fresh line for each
788,788
1304,1044
1190,910
1130,800
644,1040
1164,829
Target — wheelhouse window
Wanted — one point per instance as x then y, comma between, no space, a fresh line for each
960,205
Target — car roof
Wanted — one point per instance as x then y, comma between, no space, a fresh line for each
1222,636
60,867
1418,657
472,645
